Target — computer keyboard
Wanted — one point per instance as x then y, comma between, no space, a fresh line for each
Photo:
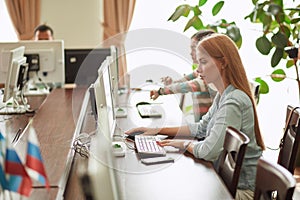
9,110
147,146
148,111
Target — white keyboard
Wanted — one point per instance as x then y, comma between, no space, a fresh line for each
148,111
9,110
147,146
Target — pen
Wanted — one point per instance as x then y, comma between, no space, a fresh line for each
17,136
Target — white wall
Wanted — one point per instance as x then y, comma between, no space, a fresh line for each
77,22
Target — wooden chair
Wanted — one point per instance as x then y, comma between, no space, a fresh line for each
289,145
231,158
273,182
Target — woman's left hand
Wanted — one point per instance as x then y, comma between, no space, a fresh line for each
174,143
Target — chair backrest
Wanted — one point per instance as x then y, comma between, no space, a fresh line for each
272,178
289,145
231,158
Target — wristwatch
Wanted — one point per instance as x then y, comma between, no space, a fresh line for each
158,91
186,144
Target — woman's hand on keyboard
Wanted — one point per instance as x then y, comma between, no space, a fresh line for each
147,131
174,143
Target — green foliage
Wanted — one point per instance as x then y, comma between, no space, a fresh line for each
217,7
278,75
194,16
280,29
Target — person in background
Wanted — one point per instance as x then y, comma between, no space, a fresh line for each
234,105
43,32
202,94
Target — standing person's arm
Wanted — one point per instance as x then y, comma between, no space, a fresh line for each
188,77
195,85
168,80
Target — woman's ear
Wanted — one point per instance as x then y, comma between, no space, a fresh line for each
222,63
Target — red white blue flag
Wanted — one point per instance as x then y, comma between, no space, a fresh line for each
34,161
3,182
17,178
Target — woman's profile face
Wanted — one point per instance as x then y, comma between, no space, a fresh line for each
208,67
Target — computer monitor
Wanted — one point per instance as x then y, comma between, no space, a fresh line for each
15,76
93,101
81,65
114,68
46,60
104,100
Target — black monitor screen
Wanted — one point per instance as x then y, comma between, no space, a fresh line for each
81,65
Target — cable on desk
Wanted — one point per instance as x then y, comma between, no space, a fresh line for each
81,145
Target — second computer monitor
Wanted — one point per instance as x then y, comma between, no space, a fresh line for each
46,60
81,65
16,72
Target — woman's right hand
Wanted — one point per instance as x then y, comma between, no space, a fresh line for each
146,131
166,80
154,94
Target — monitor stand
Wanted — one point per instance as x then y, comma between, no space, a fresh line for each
12,106
33,88
121,112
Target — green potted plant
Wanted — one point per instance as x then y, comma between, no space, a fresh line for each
280,32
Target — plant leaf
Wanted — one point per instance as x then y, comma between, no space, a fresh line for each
182,10
276,57
278,75
195,22
217,7
274,9
264,87
233,32
289,63
295,20
280,40
197,11
202,2
263,45
239,42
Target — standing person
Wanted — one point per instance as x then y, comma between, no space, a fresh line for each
43,32
234,105
202,94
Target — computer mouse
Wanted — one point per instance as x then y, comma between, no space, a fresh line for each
149,81
143,103
132,135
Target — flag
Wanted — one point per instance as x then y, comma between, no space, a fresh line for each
34,161
18,179
3,182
